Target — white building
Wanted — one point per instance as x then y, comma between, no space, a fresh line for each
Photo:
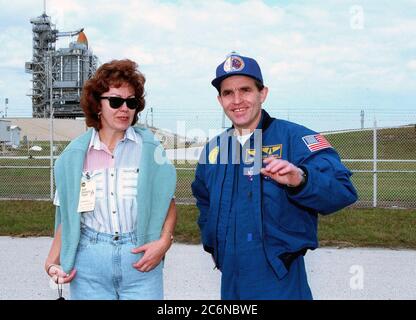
9,134
5,131
14,136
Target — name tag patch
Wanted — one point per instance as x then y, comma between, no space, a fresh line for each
87,196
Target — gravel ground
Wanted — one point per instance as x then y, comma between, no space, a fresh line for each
359,273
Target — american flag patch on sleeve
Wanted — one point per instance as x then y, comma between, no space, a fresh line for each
316,142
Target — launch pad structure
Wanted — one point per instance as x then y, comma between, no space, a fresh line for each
58,74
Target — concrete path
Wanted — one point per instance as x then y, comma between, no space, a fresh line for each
333,273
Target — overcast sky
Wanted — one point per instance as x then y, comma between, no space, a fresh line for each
317,57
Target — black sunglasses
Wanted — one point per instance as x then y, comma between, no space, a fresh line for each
117,102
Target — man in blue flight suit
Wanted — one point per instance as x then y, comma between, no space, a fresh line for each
259,187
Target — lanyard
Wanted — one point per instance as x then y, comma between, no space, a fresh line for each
60,289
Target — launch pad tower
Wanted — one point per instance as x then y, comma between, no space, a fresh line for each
58,75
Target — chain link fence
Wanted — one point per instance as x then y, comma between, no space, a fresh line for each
382,158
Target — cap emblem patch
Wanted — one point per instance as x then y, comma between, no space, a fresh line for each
233,63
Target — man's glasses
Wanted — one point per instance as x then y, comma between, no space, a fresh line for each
117,102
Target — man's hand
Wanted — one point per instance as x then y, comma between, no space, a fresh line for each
153,253
282,171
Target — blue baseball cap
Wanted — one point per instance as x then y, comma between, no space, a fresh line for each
234,65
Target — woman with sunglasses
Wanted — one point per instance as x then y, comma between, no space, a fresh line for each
115,213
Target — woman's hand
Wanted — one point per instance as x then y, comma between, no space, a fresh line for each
153,253
52,267
58,275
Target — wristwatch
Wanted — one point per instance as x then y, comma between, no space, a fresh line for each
303,174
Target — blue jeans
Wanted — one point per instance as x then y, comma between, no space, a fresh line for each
105,270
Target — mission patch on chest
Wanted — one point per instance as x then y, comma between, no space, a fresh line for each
267,151
275,151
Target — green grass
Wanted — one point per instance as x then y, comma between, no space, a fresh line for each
187,230
390,228
348,228
395,188
30,183
26,218
395,143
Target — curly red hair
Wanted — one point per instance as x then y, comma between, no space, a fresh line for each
111,74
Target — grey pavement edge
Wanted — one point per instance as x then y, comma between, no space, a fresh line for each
340,274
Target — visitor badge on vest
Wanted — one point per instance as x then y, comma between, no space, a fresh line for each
87,196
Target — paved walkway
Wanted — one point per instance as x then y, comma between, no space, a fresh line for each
360,273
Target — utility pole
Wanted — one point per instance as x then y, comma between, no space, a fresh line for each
145,118
362,119
6,102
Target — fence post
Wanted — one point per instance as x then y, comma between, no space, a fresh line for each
375,164
51,123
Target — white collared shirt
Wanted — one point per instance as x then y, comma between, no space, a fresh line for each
115,176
